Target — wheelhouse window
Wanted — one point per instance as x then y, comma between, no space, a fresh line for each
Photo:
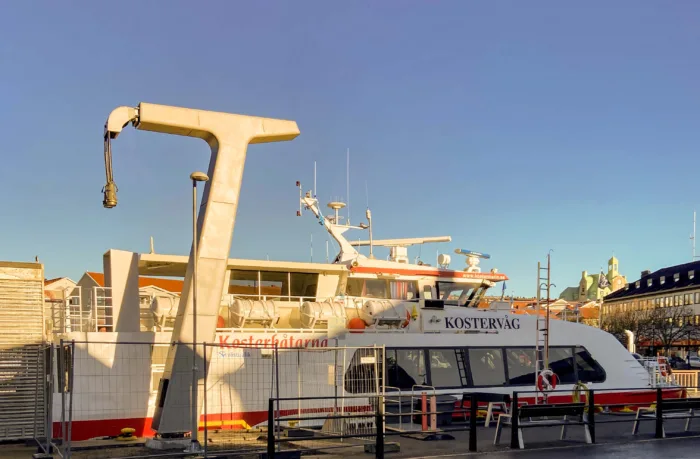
487,367
444,368
455,294
405,368
521,366
587,368
561,362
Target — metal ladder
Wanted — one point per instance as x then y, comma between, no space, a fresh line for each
461,366
542,324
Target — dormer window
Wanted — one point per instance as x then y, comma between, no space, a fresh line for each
663,280
676,277
636,284
691,274
649,282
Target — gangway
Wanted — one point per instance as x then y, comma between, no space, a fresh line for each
228,136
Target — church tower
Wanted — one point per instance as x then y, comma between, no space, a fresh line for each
613,269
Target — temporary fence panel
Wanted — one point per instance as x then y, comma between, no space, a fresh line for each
242,378
22,366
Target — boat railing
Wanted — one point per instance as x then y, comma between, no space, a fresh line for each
81,310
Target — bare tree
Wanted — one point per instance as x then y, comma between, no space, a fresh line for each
637,321
671,325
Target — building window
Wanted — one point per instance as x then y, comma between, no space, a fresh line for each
676,277
697,298
636,284
649,282
691,274
662,280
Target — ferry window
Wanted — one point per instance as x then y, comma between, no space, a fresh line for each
487,367
444,371
355,287
274,284
588,370
244,283
405,368
562,363
521,366
375,288
402,290
454,294
360,376
303,284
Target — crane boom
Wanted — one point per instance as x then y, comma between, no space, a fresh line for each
228,136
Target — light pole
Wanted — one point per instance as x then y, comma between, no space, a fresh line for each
194,444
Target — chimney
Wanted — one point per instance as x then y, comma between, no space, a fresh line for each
645,273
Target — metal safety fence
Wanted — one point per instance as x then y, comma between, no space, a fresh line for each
241,379
271,398
104,387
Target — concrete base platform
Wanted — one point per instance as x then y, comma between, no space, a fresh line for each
167,443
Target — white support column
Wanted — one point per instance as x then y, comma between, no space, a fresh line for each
122,284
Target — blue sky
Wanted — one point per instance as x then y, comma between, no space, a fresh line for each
516,127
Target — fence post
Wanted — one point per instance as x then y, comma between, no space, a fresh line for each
379,422
591,415
271,429
473,411
514,443
204,352
659,433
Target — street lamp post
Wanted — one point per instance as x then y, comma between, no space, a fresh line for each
194,444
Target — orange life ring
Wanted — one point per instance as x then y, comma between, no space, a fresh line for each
552,378
405,323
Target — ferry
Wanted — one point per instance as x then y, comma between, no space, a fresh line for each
356,326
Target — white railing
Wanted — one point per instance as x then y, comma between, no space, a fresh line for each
686,378
82,311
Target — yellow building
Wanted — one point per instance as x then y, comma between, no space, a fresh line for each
596,286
